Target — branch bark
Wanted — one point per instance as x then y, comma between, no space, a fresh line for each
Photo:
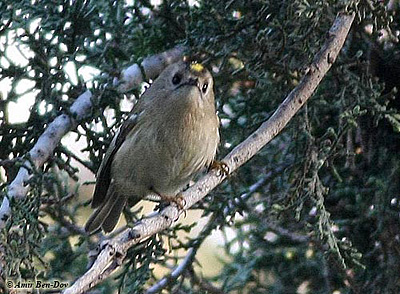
114,250
80,109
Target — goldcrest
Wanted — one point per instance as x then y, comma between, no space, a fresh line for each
170,135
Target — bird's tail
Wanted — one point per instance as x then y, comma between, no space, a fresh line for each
107,215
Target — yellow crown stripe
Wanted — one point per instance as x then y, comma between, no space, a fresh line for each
196,67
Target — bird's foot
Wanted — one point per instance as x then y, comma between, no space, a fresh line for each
178,200
221,167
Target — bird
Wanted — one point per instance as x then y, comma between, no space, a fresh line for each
170,135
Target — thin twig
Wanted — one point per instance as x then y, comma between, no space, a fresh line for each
9,162
294,237
204,285
252,189
188,260
85,163
176,273
71,227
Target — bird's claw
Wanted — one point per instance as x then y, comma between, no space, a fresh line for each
178,200
221,167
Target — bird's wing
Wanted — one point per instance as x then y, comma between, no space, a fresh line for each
103,178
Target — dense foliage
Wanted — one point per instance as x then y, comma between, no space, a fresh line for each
324,213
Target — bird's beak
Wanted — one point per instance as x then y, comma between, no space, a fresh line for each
192,82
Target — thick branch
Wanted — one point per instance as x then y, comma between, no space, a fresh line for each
118,246
80,110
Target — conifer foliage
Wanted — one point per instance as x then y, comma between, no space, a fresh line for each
315,211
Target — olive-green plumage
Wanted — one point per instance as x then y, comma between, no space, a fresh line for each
170,135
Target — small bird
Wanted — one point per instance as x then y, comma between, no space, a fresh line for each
170,135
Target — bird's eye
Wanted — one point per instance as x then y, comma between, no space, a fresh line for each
204,88
176,79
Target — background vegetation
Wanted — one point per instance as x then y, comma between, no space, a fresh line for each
325,215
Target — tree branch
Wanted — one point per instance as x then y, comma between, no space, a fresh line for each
186,262
116,248
80,110
203,284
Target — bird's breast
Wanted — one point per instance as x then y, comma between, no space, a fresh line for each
164,153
